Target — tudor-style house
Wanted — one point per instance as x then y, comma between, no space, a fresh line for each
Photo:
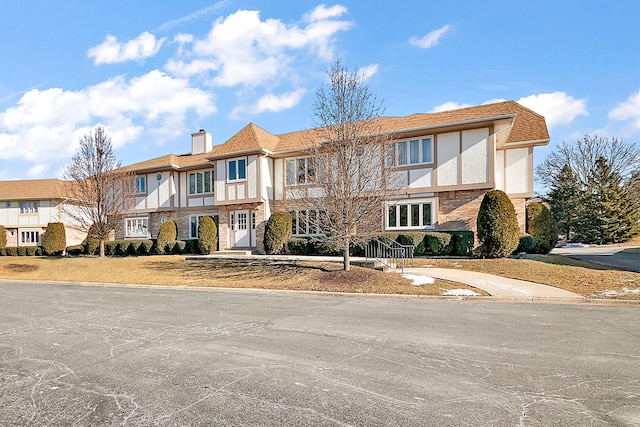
445,162
27,206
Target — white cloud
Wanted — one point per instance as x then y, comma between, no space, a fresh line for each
558,108
241,49
110,51
628,111
322,12
38,171
450,105
272,103
51,121
430,39
368,71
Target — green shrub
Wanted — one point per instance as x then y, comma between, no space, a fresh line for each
462,243
167,233
145,247
527,243
3,252
497,223
542,226
90,243
207,235
277,231
11,251
192,247
75,250
55,240
131,247
438,243
179,247
39,251
22,251
31,250
299,246
413,238
388,238
3,237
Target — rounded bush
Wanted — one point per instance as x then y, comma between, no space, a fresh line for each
3,237
91,244
542,226
168,233
207,235
438,243
277,231
55,239
527,243
498,230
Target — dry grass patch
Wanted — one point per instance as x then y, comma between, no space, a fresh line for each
581,277
249,273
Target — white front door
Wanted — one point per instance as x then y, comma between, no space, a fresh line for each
240,227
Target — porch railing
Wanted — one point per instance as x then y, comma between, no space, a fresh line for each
392,255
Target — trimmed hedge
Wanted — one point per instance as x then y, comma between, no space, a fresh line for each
3,237
21,251
438,243
207,235
300,246
168,233
11,251
277,232
497,223
55,239
75,250
416,239
462,242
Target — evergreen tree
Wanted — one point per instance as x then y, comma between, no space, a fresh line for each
613,216
566,200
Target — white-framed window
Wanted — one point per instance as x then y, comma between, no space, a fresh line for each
304,222
136,227
416,151
237,169
141,184
28,207
201,182
409,215
299,171
30,237
194,223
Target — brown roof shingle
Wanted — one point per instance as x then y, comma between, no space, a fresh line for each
32,189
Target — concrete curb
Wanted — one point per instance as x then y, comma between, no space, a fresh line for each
487,299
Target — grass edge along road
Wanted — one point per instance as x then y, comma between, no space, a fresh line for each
581,277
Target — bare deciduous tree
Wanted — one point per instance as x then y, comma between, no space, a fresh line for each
345,169
101,191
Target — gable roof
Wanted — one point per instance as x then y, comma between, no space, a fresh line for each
527,126
32,189
251,137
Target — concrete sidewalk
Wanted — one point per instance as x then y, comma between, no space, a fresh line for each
496,286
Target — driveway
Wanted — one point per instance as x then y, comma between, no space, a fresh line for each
134,356
605,255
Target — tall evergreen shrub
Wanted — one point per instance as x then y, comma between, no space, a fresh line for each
55,239
277,232
207,235
497,223
542,227
167,233
3,237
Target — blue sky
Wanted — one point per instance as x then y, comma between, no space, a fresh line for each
154,71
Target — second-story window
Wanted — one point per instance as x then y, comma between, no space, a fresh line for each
410,152
201,182
300,171
236,170
28,207
141,184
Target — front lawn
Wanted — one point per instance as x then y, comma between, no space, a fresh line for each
173,270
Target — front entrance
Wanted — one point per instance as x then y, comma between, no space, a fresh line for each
242,228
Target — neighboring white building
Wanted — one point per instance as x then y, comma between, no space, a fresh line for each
445,162
27,206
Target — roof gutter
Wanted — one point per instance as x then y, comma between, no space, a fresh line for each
239,153
536,142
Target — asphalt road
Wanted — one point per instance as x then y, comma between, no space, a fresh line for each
606,255
91,355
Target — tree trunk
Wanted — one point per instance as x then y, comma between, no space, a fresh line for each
101,248
345,257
